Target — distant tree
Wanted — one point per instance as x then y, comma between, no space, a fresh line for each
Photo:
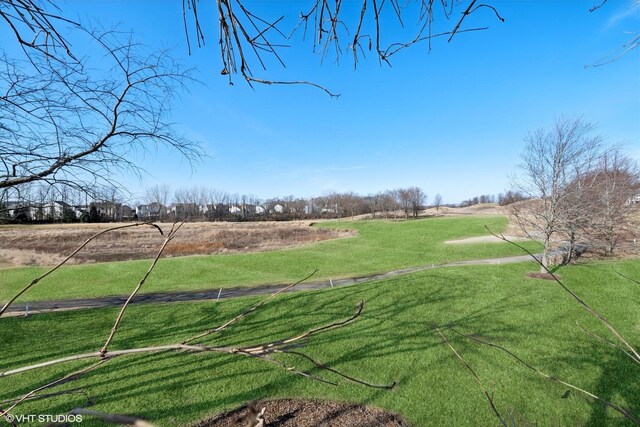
552,159
417,200
93,213
437,201
404,199
510,197
158,196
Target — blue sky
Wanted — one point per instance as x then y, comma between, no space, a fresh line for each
450,121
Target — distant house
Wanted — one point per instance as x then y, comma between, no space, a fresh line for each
14,208
184,210
56,210
127,213
150,211
634,200
278,208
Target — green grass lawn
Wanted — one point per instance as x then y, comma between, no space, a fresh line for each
392,341
380,246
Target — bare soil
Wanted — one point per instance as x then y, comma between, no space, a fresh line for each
305,413
544,276
49,244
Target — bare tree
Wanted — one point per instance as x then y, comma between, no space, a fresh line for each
186,203
417,199
615,180
552,159
437,201
157,198
68,124
404,199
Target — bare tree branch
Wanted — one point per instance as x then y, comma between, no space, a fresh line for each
170,236
248,311
60,264
475,376
622,411
583,304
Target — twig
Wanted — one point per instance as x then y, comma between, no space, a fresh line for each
47,395
59,381
248,311
170,236
265,347
604,340
251,79
86,242
288,368
495,411
596,7
625,413
343,375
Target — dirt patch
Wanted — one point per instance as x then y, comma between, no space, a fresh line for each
305,413
543,276
49,244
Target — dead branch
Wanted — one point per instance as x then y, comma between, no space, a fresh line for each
268,346
583,304
475,376
622,411
262,351
596,7
248,311
48,395
86,242
69,377
29,21
169,238
330,369
604,340
245,37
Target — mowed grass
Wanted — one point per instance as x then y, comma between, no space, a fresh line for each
380,246
394,340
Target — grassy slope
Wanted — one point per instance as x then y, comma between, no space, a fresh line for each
380,246
392,341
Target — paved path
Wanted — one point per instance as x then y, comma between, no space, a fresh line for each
166,297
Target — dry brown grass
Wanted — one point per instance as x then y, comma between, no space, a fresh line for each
48,244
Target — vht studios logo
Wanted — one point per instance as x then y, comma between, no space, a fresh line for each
42,418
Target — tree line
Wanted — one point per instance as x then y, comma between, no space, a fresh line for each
41,203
